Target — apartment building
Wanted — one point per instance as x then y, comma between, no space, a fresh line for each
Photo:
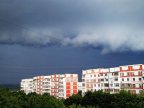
113,80
65,85
132,78
58,85
80,86
27,85
37,84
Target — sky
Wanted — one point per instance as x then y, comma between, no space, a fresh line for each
42,37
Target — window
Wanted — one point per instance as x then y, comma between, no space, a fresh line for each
111,85
122,79
128,74
102,79
139,73
116,84
116,73
128,85
106,85
102,85
133,79
122,85
140,85
122,74
116,79
83,84
127,79
116,90
106,79
139,79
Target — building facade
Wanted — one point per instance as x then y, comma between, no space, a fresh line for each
58,85
110,80
113,80
27,85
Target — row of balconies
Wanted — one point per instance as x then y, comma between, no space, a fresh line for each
131,74
116,79
136,79
116,74
131,85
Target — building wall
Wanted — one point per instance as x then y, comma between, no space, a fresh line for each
46,85
58,85
27,85
132,78
113,80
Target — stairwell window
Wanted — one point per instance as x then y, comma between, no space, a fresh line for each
122,79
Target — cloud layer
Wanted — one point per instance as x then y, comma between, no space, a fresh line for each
113,25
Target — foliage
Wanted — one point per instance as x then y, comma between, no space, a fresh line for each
9,99
99,99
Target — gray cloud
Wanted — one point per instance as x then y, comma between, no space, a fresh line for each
115,25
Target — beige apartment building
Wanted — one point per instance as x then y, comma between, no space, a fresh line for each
58,85
114,79
110,80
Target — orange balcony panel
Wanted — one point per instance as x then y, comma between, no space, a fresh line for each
74,83
75,91
67,91
67,87
67,95
67,83
74,87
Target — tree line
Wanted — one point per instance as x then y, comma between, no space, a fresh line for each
11,99
97,99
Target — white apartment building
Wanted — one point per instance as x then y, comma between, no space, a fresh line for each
64,85
46,85
58,85
113,80
80,87
27,85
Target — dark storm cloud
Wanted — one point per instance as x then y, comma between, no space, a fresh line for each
116,25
